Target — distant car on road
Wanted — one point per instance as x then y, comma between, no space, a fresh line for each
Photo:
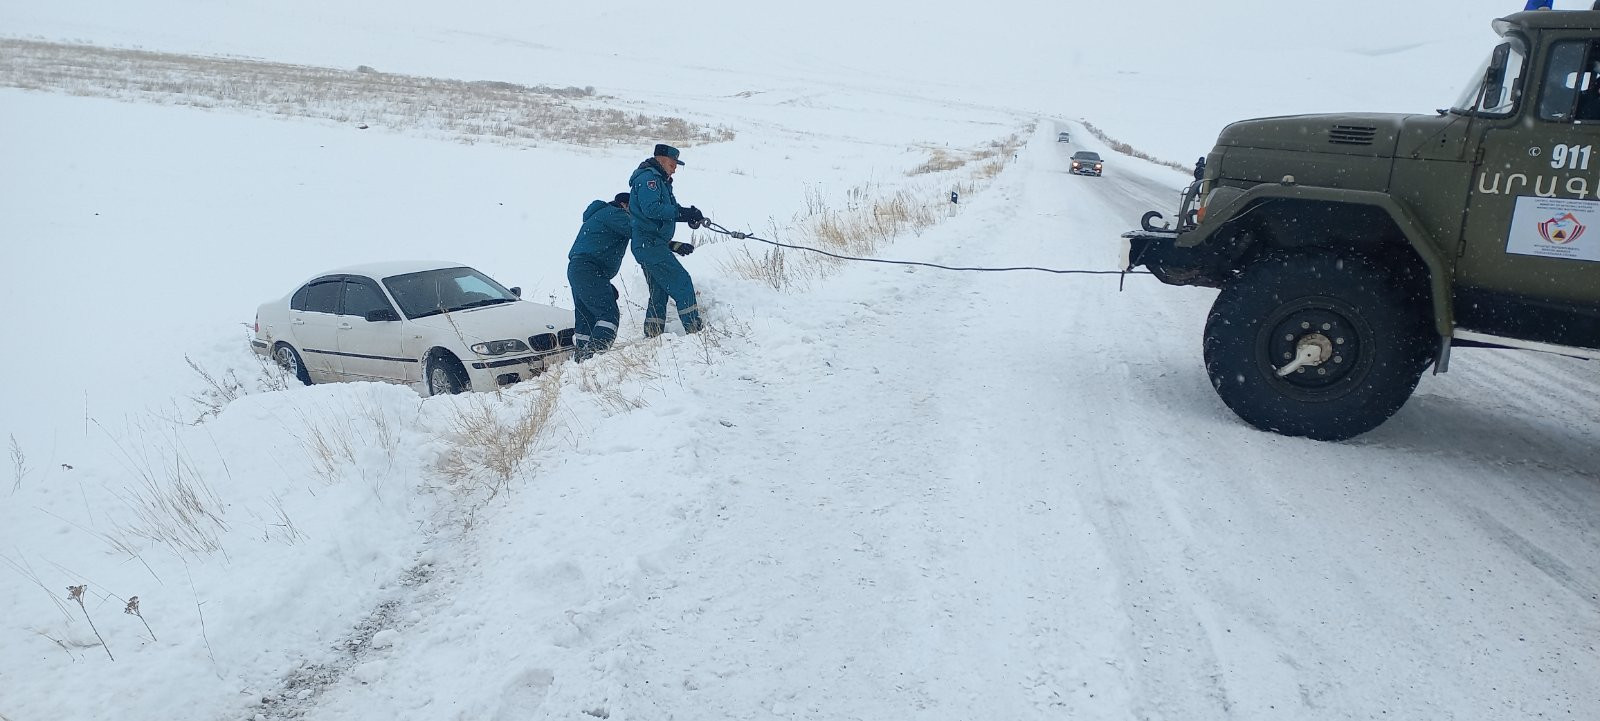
1085,162
1063,137
438,327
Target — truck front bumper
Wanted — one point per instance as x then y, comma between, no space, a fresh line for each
1159,252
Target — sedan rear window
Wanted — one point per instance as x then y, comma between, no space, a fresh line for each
320,296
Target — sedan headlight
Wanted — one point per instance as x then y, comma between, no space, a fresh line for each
500,347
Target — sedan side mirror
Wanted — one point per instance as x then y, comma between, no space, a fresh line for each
382,315
517,291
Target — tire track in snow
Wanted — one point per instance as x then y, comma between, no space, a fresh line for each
926,560
1166,653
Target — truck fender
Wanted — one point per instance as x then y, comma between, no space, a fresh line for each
1439,269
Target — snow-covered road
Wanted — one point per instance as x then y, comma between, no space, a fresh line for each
935,495
880,493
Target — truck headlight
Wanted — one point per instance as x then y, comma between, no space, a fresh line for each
500,347
1205,200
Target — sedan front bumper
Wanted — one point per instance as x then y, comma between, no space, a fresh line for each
492,373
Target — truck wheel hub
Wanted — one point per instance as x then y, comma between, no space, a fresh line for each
1312,347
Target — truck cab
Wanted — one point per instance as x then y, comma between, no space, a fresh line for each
1478,224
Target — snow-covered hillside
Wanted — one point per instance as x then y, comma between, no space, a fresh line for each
1163,74
876,492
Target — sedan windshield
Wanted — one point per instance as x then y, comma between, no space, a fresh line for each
446,290
1085,155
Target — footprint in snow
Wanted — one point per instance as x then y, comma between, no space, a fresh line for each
525,692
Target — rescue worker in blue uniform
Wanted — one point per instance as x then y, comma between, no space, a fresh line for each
594,260
655,213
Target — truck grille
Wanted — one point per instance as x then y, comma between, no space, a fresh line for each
1351,134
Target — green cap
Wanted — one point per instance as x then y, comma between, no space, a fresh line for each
664,150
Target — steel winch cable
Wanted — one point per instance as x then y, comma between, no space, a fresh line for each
738,235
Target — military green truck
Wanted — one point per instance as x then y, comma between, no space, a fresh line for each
1354,250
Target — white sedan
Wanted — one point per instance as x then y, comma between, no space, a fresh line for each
439,327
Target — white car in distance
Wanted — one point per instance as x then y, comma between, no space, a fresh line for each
438,327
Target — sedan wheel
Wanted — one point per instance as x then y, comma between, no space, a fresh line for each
289,360
445,376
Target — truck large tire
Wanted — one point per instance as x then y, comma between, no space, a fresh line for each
1369,328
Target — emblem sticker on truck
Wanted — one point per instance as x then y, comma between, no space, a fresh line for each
1560,228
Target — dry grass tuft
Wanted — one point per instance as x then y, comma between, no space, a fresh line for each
330,449
485,110
998,151
132,609
25,569
1131,151
712,340
492,435
172,502
75,593
338,444
869,219
939,160
19,464
176,506
617,378
770,267
989,169
222,388
282,526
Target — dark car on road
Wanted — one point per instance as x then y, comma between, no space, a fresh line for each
1085,162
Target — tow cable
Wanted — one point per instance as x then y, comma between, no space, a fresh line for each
738,235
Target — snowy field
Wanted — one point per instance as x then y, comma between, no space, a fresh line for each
875,492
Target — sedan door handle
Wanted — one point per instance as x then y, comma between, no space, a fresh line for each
298,321
344,326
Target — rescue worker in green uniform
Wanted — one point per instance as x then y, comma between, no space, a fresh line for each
594,260
655,214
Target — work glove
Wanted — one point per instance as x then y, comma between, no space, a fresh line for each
691,215
680,248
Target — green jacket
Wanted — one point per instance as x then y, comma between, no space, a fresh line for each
603,239
654,210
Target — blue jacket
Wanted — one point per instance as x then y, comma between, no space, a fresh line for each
653,207
603,239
